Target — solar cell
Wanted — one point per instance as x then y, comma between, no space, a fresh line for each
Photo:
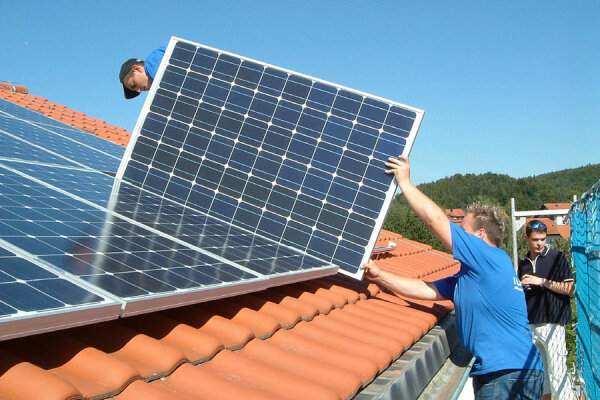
285,156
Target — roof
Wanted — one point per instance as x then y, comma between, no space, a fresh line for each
325,338
553,229
455,214
556,206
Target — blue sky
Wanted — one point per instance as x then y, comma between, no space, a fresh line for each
510,87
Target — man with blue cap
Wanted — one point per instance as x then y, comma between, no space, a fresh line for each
137,75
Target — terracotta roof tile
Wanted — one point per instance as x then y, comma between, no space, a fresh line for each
150,357
63,114
197,383
325,338
195,345
264,377
364,368
323,304
22,380
344,383
262,325
395,345
564,231
344,342
305,310
405,335
91,371
142,390
287,317
232,335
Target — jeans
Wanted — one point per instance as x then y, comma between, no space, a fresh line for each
509,384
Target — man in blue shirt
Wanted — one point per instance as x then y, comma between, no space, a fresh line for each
491,315
137,75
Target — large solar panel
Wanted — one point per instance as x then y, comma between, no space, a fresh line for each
279,154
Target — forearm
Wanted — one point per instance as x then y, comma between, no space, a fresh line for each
409,287
564,288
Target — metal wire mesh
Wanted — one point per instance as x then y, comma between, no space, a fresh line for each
585,252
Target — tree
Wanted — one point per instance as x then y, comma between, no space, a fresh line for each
402,220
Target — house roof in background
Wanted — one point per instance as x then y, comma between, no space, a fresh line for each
324,338
556,206
553,229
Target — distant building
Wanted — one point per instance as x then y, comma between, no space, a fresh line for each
455,215
559,219
554,230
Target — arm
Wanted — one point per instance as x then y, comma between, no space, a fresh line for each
409,287
427,211
566,288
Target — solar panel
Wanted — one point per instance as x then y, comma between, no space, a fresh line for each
240,176
35,299
147,252
27,135
282,155
37,295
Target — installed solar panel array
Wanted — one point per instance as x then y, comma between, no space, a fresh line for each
239,176
40,228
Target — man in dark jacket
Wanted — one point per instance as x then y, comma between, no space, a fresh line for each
546,277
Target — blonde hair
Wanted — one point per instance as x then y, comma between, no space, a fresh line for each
490,218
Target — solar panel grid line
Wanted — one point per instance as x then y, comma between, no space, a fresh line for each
10,108
214,256
60,146
226,161
179,241
37,298
156,297
75,135
90,184
52,269
41,121
279,110
239,176
57,215
220,231
129,220
16,148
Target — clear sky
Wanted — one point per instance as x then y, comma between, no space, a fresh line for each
510,87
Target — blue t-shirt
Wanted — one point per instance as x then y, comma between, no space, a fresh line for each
153,61
491,315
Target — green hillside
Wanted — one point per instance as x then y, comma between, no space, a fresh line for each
530,193
459,191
